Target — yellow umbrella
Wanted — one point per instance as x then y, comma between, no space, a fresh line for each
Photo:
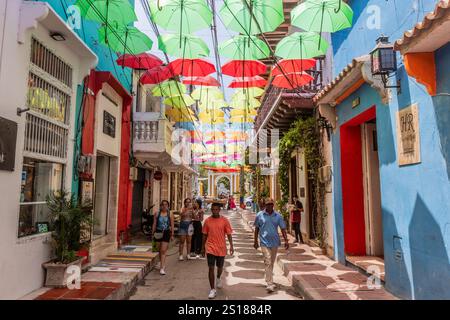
211,114
245,103
243,112
215,104
179,115
241,119
248,92
179,101
207,93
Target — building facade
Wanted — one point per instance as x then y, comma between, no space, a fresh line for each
390,156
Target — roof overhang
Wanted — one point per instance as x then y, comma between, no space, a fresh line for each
349,80
34,13
428,35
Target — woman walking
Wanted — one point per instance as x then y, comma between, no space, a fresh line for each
296,220
197,237
186,229
162,231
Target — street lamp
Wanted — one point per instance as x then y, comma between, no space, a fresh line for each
383,61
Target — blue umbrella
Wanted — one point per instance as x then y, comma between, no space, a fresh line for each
185,125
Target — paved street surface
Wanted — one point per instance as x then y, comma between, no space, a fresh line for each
243,276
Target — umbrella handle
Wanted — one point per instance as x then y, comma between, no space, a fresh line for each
159,7
339,8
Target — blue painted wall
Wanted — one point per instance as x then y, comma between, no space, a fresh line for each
415,198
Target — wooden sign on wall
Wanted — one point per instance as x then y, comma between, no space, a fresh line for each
408,136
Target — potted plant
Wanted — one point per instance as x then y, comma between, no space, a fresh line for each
71,225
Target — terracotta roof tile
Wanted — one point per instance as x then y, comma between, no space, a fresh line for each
441,10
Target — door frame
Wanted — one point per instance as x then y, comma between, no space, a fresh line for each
353,200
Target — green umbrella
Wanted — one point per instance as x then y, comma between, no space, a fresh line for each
244,93
119,12
244,16
322,15
181,15
179,101
169,88
301,45
243,47
125,39
185,46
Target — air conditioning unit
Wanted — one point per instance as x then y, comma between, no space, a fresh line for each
133,173
325,174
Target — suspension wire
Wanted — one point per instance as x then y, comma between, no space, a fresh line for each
158,34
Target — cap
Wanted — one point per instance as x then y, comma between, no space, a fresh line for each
269,201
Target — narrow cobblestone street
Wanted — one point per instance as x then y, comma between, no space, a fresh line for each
243,276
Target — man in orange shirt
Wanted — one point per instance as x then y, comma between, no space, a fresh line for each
214,230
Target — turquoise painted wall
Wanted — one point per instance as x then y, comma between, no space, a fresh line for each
415,198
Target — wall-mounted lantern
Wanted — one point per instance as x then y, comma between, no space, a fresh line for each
383,61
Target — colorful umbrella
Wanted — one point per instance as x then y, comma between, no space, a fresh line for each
301,45
248,82
210,115
292,65
245,104
252,16
125,39
292,80
192,67
184,46
156,75
169,88
244,68
322,15
115,12
207,94
140,61
243,47
182,101
241,113
207,81
247,92
181,15
179,115
185,125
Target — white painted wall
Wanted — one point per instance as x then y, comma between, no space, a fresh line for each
21,259
328,157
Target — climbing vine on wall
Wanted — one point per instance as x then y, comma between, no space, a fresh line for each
303,133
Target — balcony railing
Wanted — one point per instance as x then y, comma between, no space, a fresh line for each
151,133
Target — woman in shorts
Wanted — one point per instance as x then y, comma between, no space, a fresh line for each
162,231
186,228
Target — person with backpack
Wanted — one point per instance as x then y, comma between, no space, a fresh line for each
163,230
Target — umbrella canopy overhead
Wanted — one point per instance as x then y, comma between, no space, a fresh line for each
207,94
252,16
207,81
247,92
248,82
115,12
140,61
244,68
192,67
301,45
181,15
292,65
183,46
243,47
245,104
157,75
292,80
169,88
182,101
322,15
125,39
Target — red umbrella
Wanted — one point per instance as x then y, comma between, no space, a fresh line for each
207,81
157,75
292,65
192,67
140,61
248,82
244,68
292,80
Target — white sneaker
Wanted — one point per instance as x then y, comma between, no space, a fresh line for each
219,283
270,288
212,294
189,257
162,272
198,256
181,258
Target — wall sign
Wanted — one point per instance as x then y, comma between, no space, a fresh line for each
356,102
8,136
109,124
87,193
408,135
